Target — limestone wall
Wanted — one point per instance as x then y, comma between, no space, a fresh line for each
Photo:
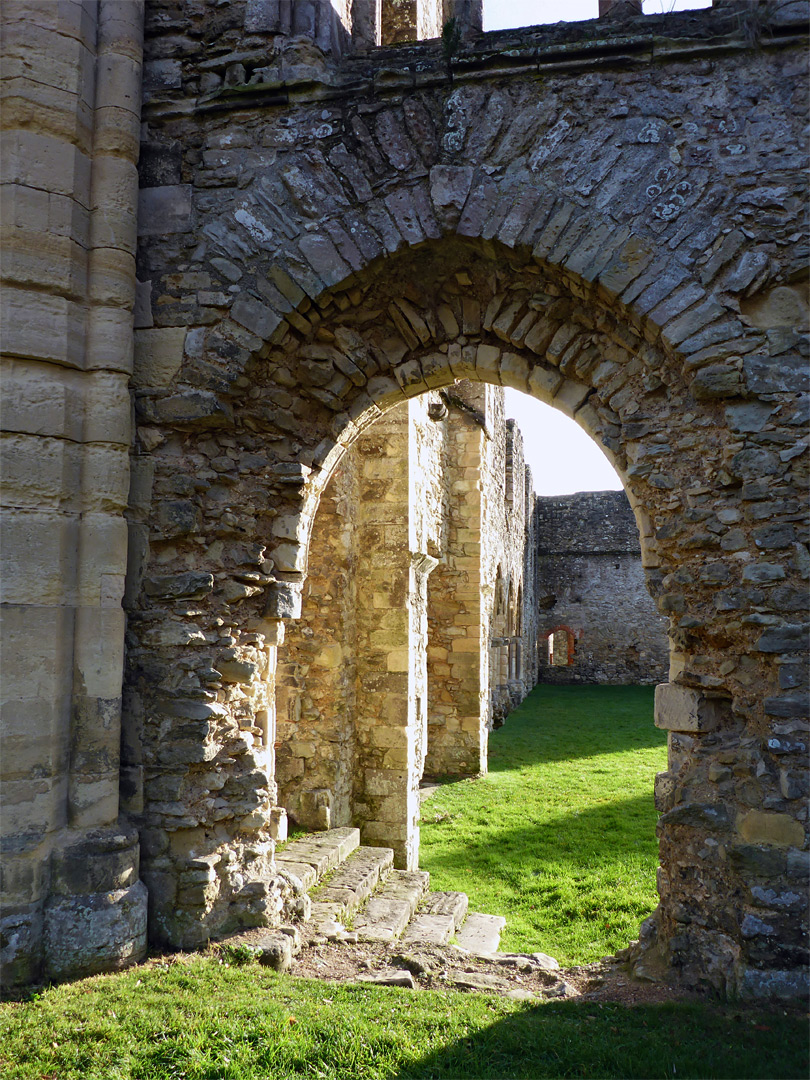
386,675
592,591
71,81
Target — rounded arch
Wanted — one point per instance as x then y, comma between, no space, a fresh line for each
301,389
555,637
487,312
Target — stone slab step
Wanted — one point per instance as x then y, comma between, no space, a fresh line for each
425,929
480,933
388,912
322,851
356,878
306,874
453,904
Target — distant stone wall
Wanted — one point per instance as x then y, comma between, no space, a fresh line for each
593,598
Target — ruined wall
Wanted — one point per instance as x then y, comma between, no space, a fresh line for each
641,264
590,581
607,274
316,692
385,676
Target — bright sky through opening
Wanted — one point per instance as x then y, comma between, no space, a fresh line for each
563,459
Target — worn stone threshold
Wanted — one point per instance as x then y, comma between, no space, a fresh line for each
531,977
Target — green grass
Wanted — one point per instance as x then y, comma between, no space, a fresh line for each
561,832
200,1020
559,837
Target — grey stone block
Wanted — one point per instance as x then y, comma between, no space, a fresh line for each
163,210
680,708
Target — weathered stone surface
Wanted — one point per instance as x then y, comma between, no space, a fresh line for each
679,708
390,978
480,933
630,292
598,621
472,980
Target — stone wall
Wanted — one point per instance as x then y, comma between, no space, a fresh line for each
591,590
71,110
386,676
324,235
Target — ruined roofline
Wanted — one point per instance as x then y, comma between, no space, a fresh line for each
520,52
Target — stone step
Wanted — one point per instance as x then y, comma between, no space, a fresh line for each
322,851
388,912
452,904
480,933
429,930
350,885
306,874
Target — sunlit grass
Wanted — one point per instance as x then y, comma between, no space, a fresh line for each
201,1020
559,837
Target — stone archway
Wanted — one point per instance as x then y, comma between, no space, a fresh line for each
648,185
334,257
486,313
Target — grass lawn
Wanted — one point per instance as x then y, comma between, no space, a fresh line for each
559,837
201,1020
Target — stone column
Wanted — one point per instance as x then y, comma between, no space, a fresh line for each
458,650
386,795
72,902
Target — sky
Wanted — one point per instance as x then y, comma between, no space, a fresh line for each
500,14
563,459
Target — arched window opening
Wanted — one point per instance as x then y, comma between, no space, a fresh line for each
561,646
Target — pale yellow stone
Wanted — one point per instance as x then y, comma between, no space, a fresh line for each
110,341
39,557
111,277
39,326
397,660
330,656
44,162
114,203
99,652
40,473
158,355
103,539
105,478
761,827
34,258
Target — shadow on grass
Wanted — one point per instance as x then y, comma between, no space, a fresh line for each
604,833
575,1039
561,723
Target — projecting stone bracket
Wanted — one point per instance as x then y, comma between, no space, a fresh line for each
680,708
283,600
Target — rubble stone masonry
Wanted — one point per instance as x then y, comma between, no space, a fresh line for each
605,215
592,594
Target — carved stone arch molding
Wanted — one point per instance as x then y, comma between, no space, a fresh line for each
328,262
